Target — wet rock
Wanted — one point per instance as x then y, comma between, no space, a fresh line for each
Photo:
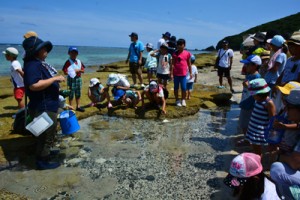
74,162
76,144
150,178
100,160
209,105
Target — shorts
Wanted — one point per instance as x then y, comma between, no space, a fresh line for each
222,71
75,85
180,80
151,70
164,77
19,93
135,68
189,86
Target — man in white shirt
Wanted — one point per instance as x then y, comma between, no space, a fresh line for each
225,56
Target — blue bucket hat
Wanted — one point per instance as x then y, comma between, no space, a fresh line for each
33,44
118,93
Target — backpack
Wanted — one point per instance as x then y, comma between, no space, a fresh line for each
18,125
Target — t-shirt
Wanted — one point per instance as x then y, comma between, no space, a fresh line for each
291,70
180,63
269,191
131,94
46,99
96,91
194,72
135,49
164,61
271,77
225,59
75,64
160,42
151,62
16,77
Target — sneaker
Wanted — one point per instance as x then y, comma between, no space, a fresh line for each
44,165
80,109
178,103
109,105
183,103
142,85
221,86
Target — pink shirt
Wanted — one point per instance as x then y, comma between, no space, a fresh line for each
180,63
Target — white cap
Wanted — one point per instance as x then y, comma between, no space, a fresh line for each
93,82
11,51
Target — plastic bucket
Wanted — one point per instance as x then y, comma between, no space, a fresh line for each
68,122
272,135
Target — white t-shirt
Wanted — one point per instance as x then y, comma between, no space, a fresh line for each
270,191
160,42
225,59
17,79
194,71
163,66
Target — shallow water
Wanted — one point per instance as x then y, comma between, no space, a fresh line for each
115,158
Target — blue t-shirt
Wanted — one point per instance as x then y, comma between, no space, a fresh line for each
291,70
44,100
271,77
135,49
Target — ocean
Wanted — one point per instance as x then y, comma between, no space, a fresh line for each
89,55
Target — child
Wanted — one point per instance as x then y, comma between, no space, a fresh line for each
252,64
286,173
16,73
265,57
190,82
155,94
73,67
247,179
263,110
151,62
96,92
164,64
120,85
181,65
131,98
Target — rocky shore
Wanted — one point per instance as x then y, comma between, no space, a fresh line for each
182,155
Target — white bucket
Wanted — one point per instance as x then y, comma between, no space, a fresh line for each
39,124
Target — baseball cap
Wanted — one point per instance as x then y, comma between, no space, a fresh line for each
294,97
286,89
133,34
225,42
93,82
277,41
252,59
167,34
73,49
243,166
193,58
149,45
11,51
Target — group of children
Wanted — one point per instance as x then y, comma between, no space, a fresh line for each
269,118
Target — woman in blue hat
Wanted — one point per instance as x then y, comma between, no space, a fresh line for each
42,87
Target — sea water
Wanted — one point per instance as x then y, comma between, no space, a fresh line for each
89,55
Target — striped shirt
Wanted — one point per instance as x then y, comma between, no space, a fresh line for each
258,123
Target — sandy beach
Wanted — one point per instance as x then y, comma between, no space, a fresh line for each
112,158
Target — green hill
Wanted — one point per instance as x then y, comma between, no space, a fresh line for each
284,26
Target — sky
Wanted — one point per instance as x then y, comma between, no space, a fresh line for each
108,23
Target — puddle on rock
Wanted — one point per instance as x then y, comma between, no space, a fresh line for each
115,158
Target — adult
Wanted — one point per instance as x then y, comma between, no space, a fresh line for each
286,173
164,39
42,88
292,67
172,44
277,61
134,57
224,64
